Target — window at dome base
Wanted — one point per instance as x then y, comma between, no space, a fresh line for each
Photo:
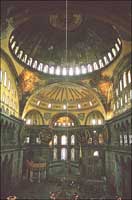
49,56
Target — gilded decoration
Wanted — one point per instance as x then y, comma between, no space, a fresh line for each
28,81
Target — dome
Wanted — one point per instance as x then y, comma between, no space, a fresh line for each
63,96
52,46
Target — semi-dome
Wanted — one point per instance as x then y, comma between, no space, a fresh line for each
64,96
53,45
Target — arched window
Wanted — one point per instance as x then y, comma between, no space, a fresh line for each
54,154
77,71
13,45
72,154
79,106
121,140
20,54
117,92
101,64
55,139
63,140
94,121
38,141
64,71
119,41
27,140
51,70
49,105
121,102
35,64
16,49
57,72
126,98
28,121
5,79
110,56
63,154
125,139
106,60
120,85
72,139
71,71
90,68
117,47
124,79
130,139
129,76
40,67
29,62
9,85
99,121
11,39
64,107
45,68
95,66
25,58
96,153
83,69
114,52
117,105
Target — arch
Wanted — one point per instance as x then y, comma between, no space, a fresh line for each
64,140
85,85
57,116
35,117
94,117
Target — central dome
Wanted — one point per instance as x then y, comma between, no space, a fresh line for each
50,45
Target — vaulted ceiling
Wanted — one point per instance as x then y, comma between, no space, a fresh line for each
87,43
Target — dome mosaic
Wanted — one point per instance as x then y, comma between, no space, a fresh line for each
64,96
87,45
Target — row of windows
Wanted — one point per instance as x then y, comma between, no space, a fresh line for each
63,154
125,140
6,82
8,111
64,106
122,101
96,122
64,124
64,140
8,101
124,81
78,70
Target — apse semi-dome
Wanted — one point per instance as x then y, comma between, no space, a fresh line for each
51,46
